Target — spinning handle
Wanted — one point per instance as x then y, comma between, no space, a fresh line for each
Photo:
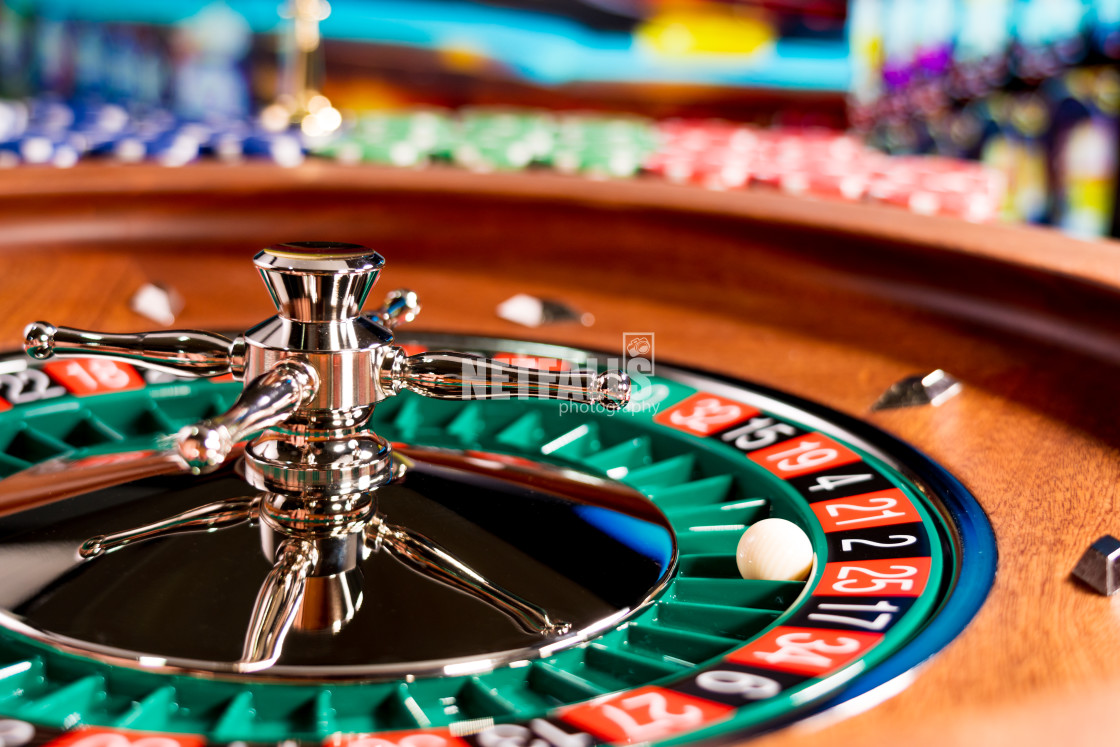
266,401
213,516
429,559
460,376
188,352
277,604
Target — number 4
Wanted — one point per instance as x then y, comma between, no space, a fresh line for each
831,482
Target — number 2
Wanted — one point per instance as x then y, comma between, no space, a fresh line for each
31,385
904,540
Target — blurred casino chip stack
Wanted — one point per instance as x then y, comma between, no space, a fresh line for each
1029,87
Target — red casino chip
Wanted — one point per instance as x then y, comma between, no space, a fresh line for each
836,183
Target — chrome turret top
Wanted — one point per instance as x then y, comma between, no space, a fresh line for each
314,281
313,375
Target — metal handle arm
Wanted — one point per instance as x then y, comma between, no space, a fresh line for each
187,352
266,401
277,604
445,375
219,515
430,559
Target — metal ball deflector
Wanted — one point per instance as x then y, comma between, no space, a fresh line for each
313,374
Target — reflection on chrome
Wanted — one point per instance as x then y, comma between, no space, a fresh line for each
328,556
323,550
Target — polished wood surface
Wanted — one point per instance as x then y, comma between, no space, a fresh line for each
829,301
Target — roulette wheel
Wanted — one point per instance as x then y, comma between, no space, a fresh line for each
399,558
